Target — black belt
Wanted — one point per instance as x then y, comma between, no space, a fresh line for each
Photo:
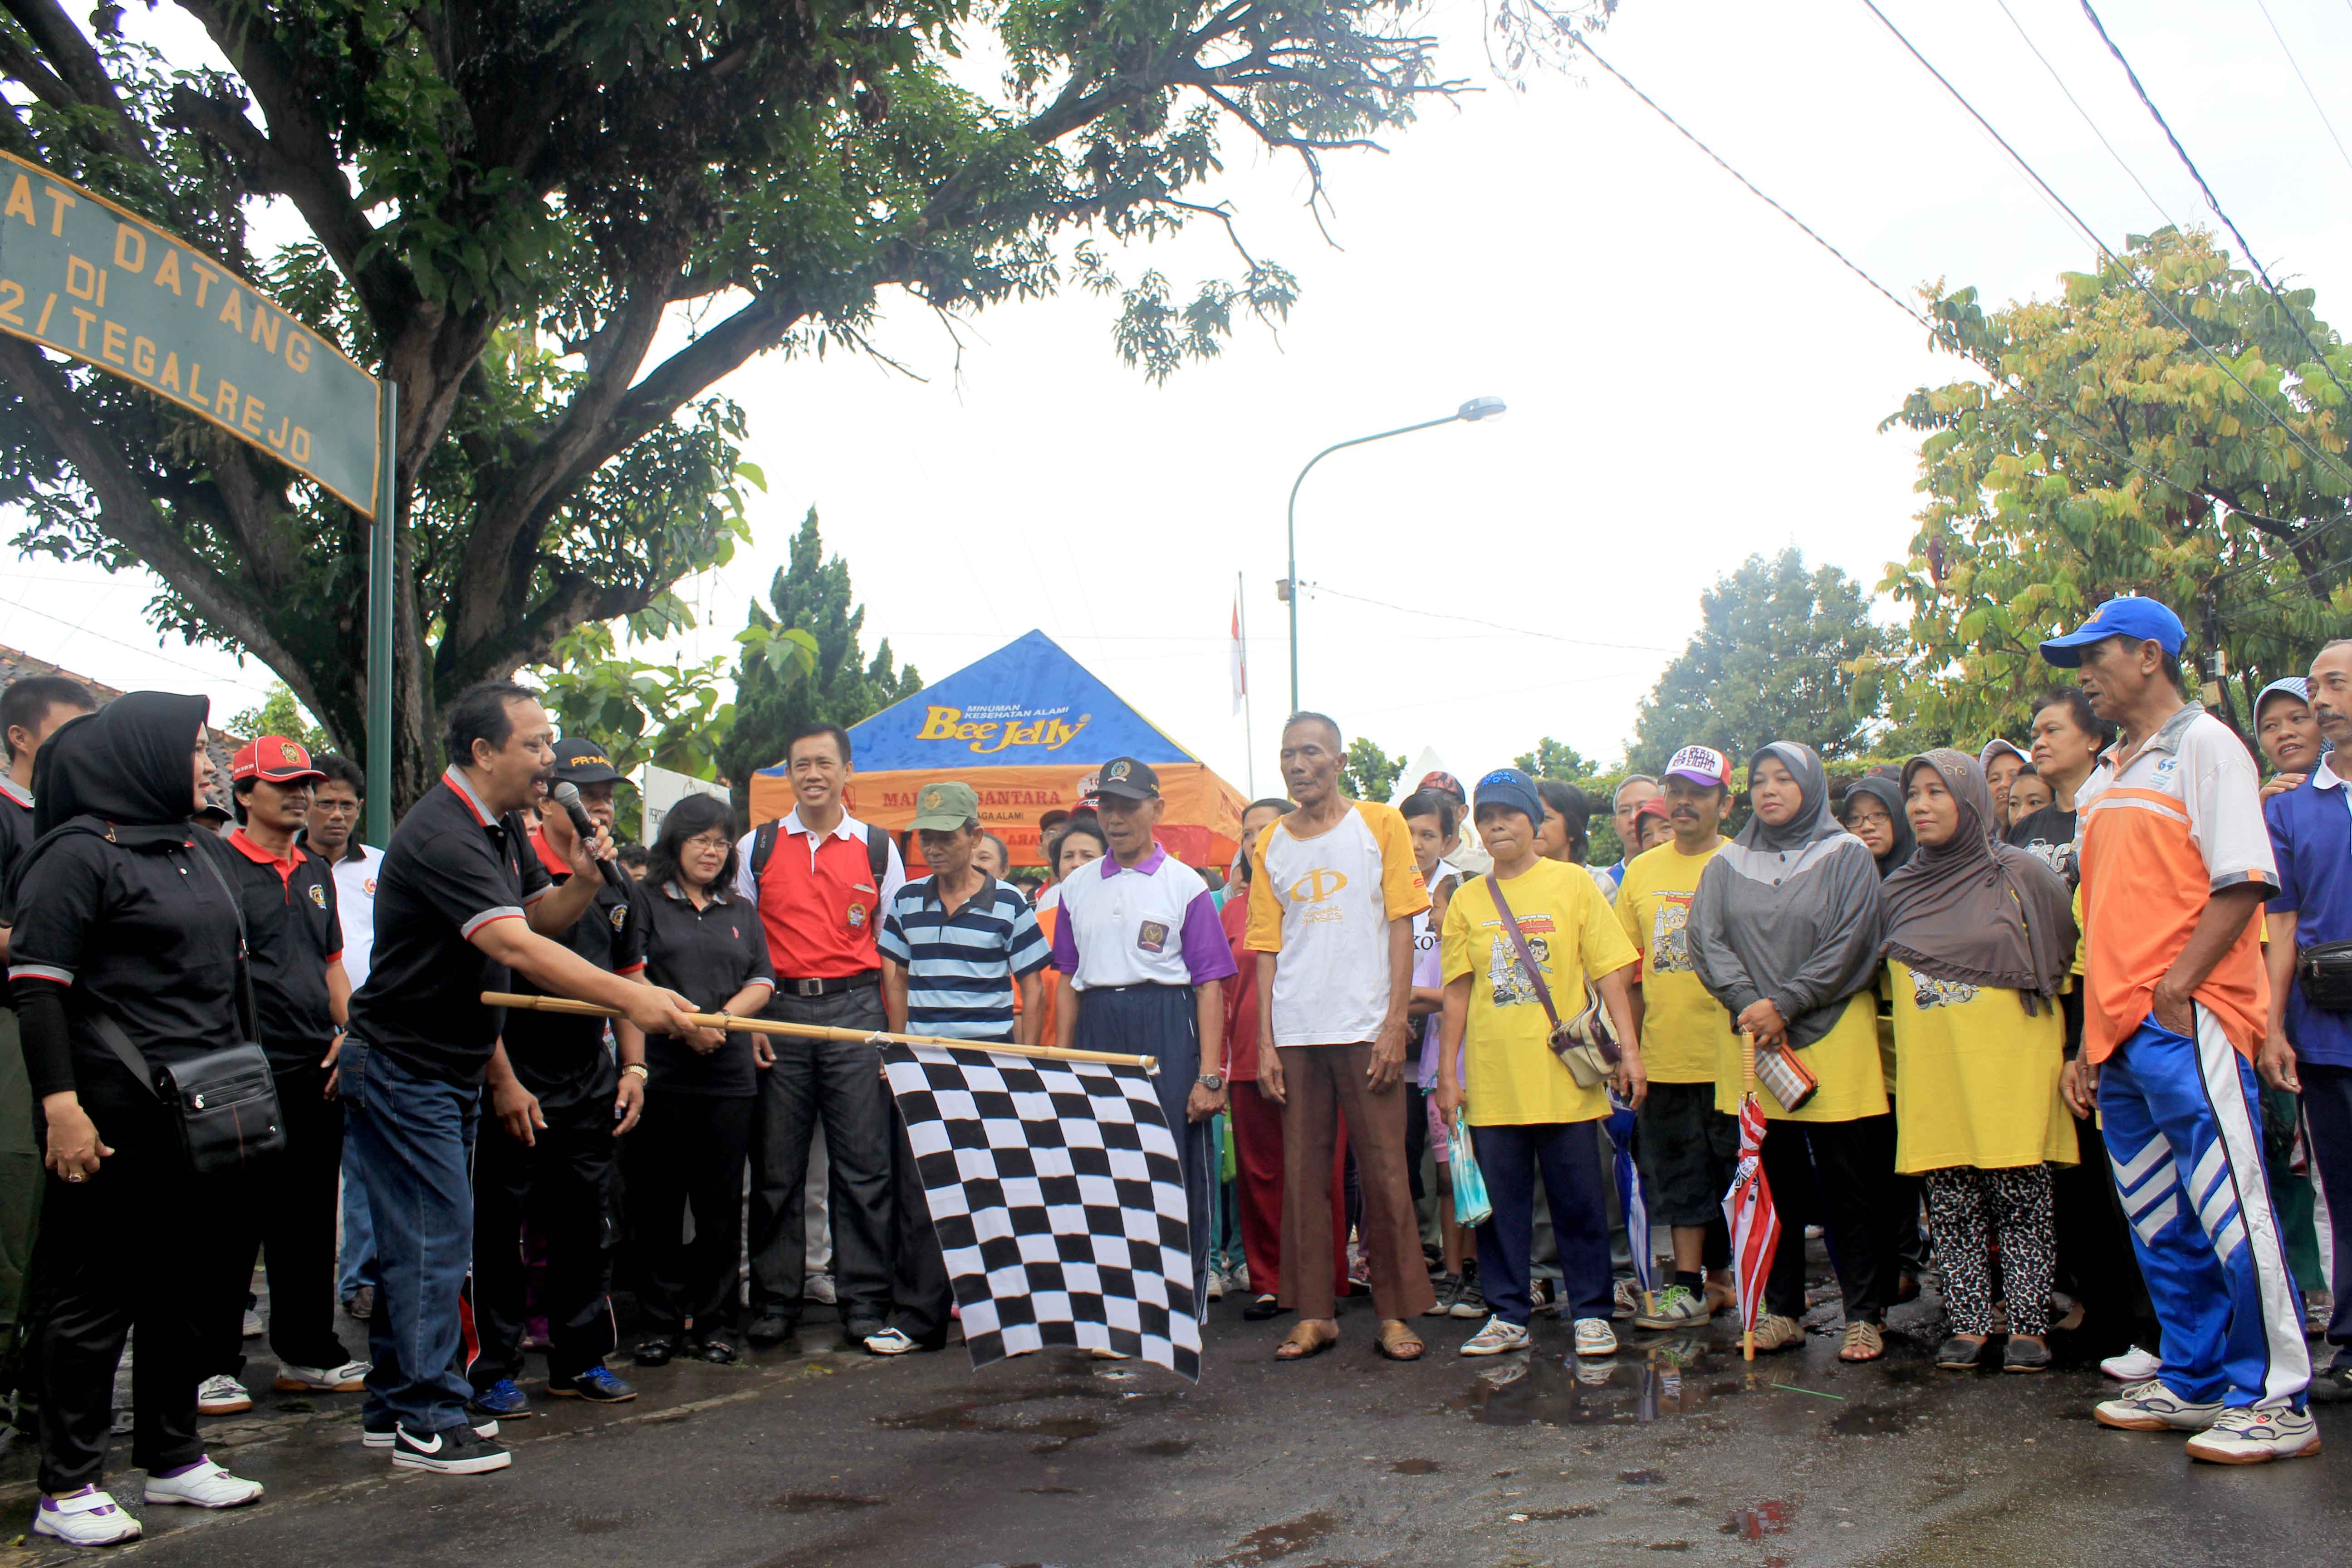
832,985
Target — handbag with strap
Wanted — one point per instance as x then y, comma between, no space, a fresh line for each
1587,1044
224,1102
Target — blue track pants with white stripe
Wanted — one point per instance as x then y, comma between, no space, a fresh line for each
2183,1128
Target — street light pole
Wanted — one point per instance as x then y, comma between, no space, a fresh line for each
1477,408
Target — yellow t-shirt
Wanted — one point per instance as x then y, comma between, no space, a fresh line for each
1511,1077
1979,1084
1683,1027
1844,1061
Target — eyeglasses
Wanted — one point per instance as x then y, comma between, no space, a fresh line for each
337,807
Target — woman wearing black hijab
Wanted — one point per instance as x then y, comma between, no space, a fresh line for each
118,914
1873,810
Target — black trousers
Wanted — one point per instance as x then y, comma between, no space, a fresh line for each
920,1291
107,1262
560,1186
1848,1167
839,1081
287,1212
685,1156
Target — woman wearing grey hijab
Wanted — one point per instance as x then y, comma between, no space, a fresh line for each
1980,938
1784,931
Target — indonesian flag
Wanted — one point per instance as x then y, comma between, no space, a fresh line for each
1240,659
1747,1211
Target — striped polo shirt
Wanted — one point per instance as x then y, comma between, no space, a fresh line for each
960,968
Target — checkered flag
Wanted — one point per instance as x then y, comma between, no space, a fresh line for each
1058,1200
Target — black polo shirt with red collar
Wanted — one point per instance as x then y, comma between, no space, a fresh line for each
451,870
16,825
562,1059
292,931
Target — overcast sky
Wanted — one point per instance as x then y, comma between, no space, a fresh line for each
1689,378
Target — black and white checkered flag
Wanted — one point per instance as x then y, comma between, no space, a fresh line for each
1058,1200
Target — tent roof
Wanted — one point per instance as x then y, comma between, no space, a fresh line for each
1027,704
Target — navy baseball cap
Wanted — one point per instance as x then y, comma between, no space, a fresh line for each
2142,620
1511,788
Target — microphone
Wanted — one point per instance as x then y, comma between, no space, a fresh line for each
567,796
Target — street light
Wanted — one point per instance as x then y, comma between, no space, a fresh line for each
1477,408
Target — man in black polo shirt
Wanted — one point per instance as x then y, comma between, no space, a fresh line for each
463,902
294,939
550,1169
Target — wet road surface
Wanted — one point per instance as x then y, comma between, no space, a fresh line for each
1672,1451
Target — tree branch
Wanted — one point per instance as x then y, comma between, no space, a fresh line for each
77,61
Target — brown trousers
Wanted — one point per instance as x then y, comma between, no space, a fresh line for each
1322,1084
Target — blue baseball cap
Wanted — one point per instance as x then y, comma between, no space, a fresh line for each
1511,788
2142,620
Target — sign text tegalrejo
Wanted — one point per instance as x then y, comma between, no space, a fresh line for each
86,277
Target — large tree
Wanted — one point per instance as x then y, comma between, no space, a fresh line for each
2161,427
510,205
1781,653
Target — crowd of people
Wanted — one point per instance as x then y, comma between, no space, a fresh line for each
2071,1018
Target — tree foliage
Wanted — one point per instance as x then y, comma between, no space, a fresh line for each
1781,653
2103,450
1556,760
1367,772
671,715
802,663
557,227
279,714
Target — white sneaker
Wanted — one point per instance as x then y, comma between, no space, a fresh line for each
1496,1337
819,1288
1238,1280
204,1485
2151,1407
1216,1286
2251,1436
347,1378
87,1518
222,1396
252,1324
890,1341
2135,1365
1626,1301
370,1438
1595,1337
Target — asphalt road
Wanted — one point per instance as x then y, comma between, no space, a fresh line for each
1674,1451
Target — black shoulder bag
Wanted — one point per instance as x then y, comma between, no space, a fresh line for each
2325,971
225,1103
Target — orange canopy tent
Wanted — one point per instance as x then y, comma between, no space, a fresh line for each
1027,727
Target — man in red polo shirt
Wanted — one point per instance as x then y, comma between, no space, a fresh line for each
821,880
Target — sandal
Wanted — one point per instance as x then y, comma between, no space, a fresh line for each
1394,1337
1304,1341
1863,1342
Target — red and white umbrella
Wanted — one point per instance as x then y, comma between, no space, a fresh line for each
1748,1211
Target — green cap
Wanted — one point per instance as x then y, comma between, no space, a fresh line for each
945,807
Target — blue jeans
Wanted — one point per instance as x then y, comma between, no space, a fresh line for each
1567,1156
359,1235
414,1136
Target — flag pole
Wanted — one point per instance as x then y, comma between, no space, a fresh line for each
1249,727
1748,1078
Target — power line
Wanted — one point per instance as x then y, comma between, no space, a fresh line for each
2297,67
157,653
1491,625
2212,201
2129,273
2085,113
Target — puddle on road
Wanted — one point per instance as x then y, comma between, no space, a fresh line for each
1863,1420
1276,1542
823,1502
1165,1448
1545,1391
1051,1491
1640,1478
1761,1519
1416,1466
1058,1415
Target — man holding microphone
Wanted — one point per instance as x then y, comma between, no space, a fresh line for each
463,902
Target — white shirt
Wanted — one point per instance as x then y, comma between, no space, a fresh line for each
1334,895
1133,925
355,906
893,876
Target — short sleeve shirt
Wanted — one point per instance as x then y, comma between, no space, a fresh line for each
1683,1026
1149,924
355,879
821,915
1324,905
453,868
293,933
2311,829
960,967
16,827
146,935
561,1058
705,956
2156,839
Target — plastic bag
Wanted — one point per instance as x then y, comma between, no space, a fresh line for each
1470,1204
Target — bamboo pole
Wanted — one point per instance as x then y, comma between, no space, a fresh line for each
731,1024
1747,1077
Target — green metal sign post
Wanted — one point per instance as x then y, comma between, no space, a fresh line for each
83,276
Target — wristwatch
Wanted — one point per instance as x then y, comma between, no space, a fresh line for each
1215,1082
639,1068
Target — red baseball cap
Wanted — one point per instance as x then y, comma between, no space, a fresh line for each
1444,784
275,758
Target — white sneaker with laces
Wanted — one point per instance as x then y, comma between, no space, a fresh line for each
1595,1337
87,1518
222,1396
2151,1407
890,1341
347,1378
204,1485
2256,1437
1626,1302
1496,1337
2135,1365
